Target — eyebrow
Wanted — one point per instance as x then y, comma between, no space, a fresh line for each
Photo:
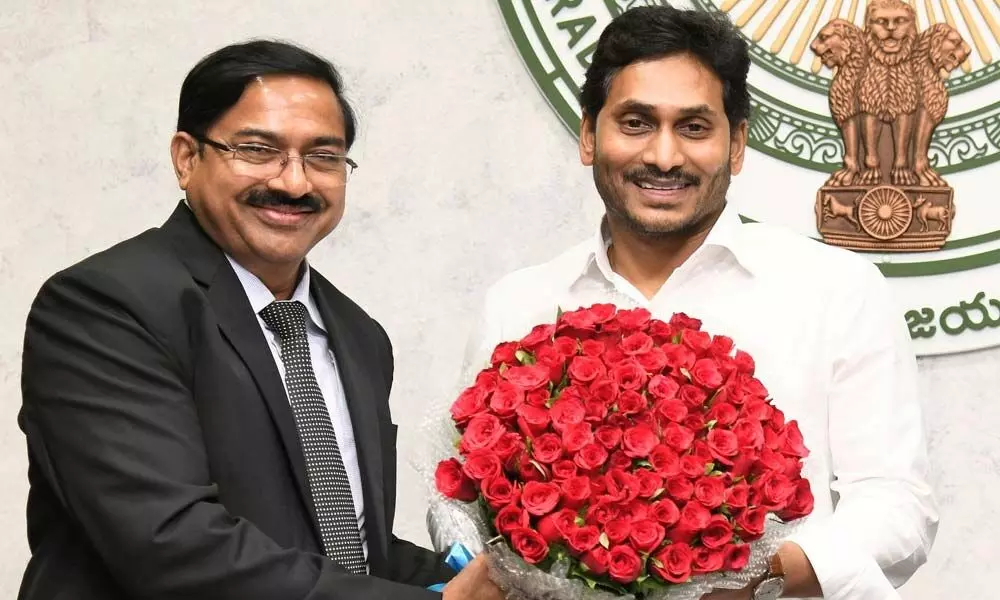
273,138
700,110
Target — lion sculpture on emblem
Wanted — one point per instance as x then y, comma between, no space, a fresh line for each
886,97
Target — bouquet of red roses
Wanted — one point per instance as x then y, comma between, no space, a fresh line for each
615,454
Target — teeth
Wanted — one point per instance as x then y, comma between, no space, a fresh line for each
663,187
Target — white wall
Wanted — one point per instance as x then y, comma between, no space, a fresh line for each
465,174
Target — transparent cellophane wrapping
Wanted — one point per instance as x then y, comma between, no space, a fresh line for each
454,522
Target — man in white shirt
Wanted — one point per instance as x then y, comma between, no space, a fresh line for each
665,109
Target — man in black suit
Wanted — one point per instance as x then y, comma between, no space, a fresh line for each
207,417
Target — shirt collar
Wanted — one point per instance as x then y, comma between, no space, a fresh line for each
260,296
725,234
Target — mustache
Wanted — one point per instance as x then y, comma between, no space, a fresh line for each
651,173
263,198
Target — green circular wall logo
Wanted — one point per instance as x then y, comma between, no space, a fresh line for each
912,192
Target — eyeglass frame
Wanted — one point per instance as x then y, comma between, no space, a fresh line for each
283,154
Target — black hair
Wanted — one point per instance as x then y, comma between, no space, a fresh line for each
652,32
216,83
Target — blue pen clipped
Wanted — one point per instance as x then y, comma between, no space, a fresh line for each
457,558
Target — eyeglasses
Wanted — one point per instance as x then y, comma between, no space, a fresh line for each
267,162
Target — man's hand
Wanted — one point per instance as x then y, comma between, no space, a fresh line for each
473,583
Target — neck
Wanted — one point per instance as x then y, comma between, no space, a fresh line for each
647,262
281,280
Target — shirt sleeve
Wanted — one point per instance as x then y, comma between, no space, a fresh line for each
885,518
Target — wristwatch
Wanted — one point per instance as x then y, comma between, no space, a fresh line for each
773,584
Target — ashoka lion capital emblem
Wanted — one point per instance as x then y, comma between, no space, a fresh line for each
887,97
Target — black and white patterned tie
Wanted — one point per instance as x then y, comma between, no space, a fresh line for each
331,490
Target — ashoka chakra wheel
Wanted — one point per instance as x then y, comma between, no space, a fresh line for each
885,213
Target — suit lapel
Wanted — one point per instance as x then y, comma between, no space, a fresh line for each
239,326
355,378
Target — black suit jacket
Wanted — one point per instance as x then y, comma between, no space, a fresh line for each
163,456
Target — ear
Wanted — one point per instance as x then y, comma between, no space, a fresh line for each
588,140
737,147
185,152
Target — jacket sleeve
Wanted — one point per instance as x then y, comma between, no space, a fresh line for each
112,425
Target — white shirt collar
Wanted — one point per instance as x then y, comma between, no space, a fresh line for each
260,296
725,234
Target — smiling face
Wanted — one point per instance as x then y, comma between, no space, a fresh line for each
268,220
662,149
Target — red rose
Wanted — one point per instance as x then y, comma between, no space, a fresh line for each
540,498
673,410
601,513
483,431
547,448
665,461
682,321
504,353
706,373
629,375
605,391
531,470
697,341
565,346
506,399
718,533
608,436
453,483
774,440
596,560
692,396
511,517
749,434
744,363
532,420
678,437
630,403
554,526
507,447
673,563
538,398
710,491
499,492
591,348
583,538
660,331
723,443
794,444
633,319
529,544
635,510
695,422
584,369
770,460
750,523
679,357
653,361
693,465
527,377
621,485
471,402
566,412
737,556
694,517
581,318
723,413
537,336
636,343
575,491
776,489
663,387
646,535
482,465
708,561
639,441
666,512
738,495
574,392
624,565
563,469
721,346
618,530
649,483
591,457
575,437
596,411
801,504
680,487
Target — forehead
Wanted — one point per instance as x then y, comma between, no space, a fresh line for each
670,84
286,105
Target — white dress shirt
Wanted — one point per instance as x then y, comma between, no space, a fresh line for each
325,366
829,345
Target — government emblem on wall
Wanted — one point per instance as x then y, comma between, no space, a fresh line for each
875,126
